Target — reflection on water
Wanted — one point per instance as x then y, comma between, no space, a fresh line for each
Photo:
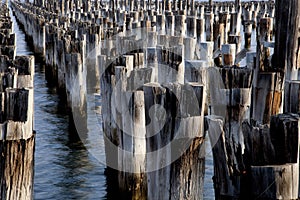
64,168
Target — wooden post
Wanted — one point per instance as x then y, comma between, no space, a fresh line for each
236,40
139,142
151,61
229,95
247,34
180,25
200,30
131,5
133,139
180,4
267,100
286,53
156,140
171,67
267,81
275,181
237,4
16,119
264,37
206,52
209,20
235,23
170,22
201,11
218,34
157,6
228,54
211,5
224,183
191,25
196,71
291,98
188,164
272,158
259,149
189,48
224,19
192,7
175,5
284,132
143,4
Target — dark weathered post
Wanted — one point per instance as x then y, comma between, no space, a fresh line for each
209,21
211,5
230,102
267,81
287,38
291,98
237,4
272,158
17,138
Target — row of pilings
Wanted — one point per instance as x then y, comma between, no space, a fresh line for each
16,115
171,73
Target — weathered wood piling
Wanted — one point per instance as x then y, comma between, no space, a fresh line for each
272,153
161,67
64,56
17,136
264,160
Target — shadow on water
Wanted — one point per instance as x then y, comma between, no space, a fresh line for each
63,169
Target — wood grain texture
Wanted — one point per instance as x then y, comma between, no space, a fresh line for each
287,36
17,140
